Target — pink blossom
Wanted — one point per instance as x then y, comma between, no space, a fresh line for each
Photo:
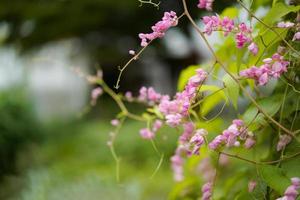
296,182
157,125
206,4
177,167
296,36
253,48
285,24
283,141
249,143
146,133
291,192
128,96
169,19
233,136
241,39
96,92
173,120
115,122
197,140
207,191
251,186
227,25
188,129
272,68
143,94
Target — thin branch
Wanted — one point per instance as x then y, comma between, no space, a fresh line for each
150,2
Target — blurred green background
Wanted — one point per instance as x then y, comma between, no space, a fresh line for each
50,147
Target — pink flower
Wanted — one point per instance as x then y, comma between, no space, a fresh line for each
296,182
241,39
157,125
169,19
253,48
173,120
128,96
207,4
291,192
96,92
177,167
197,140
207,191
143,94
296,36
283,141
251,186
146,133
285,24
115,122
249,143
272,68
187,133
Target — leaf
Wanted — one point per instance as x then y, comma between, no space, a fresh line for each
185,75
277,11
291,166
270,105
232,89
216,97
231,12
274,177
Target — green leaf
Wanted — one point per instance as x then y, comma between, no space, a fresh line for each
231,12
274,177
232,89
216,96
185,75
277,11
270,105
291,166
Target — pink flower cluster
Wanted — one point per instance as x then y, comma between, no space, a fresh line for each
175,110
291,192
149,95
95,94
189,144
283,141
206,4
169,19
207,191
296,36
233,136
242,36
272,68
285,24
215,23
147,134
177,162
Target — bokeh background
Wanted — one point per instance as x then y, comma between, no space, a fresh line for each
51,145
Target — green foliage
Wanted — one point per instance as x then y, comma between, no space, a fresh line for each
274,177
232,89
270,105
18,127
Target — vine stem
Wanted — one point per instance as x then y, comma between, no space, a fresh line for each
268,27
231,75
119,102
135,57
260,163
150,2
